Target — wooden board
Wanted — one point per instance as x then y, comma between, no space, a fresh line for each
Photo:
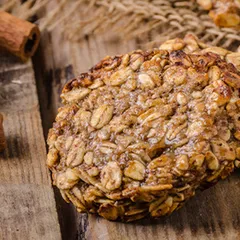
27,204
213,214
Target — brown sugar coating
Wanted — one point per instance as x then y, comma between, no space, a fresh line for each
139,133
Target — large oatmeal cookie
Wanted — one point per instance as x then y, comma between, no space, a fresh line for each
139,133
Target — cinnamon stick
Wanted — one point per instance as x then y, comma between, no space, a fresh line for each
2,136
18,36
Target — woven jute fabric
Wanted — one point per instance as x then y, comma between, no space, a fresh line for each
161,19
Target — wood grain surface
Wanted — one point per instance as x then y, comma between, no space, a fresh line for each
27,204
212,214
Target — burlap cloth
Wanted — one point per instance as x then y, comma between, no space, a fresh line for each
159,19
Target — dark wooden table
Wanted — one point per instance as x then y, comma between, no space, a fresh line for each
30,208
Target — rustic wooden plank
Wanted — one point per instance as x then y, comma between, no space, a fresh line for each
28,208
213,214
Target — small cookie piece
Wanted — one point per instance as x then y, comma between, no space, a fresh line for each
225,13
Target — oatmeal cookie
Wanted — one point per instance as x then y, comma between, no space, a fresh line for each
225,13
139,133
